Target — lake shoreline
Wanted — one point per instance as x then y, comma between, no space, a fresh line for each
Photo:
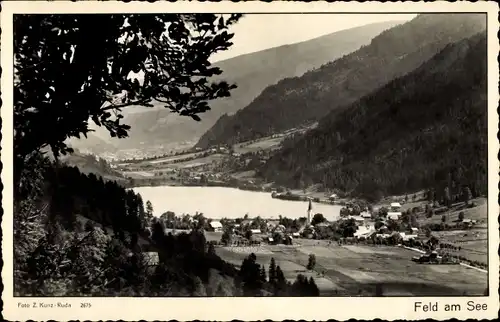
229,202
299,197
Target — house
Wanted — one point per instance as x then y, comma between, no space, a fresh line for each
255,231
409,237
333,197
395,206
365,214
175,232
364,231
414,230
216,225
469,222
296,235
393,215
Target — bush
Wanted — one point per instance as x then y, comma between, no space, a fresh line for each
312,262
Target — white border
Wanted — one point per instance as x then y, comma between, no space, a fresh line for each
322,308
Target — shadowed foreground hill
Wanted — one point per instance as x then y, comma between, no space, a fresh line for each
299,100
251,72
426,129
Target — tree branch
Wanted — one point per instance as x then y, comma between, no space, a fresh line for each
112,107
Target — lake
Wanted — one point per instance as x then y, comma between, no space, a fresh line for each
220,202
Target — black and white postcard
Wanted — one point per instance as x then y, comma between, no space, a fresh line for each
285,160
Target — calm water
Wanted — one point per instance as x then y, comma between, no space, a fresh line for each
219,202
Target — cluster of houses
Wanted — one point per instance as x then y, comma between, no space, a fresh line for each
365,227
366,231
274,232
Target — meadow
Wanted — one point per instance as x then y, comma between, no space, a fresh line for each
356,270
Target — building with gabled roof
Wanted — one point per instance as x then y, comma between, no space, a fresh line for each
216,225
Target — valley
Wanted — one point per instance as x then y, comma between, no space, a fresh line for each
157,130
357,162
224,166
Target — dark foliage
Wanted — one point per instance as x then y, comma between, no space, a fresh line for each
250,276
70,69
317,219
304,287
67,260
311,262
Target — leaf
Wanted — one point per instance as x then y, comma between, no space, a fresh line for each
221,22
43,42
196,117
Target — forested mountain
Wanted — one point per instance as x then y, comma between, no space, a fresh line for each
427,129
251,73
294,101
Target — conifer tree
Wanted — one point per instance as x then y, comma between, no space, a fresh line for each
272,271
263,276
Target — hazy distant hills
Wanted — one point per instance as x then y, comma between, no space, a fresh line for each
427,129
252,73
294,101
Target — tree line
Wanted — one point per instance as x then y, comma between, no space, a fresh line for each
254,281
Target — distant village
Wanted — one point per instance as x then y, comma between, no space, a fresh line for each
386,225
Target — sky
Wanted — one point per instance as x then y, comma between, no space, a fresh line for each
255,32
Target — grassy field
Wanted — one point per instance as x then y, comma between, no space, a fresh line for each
473,243
172,158
213,235
356,270
479,213
244,175
192,163
139,174
262,144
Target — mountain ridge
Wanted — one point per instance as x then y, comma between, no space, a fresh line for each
293,101
425,129
252,73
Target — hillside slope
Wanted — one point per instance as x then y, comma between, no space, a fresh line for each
252,73
299,100
87,163
427,129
